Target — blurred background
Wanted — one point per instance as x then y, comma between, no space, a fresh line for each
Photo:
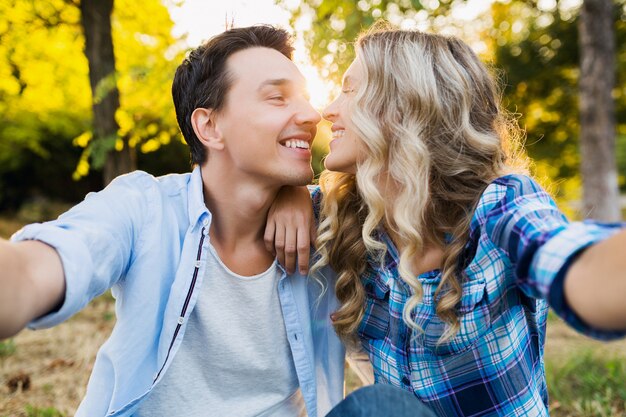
85,96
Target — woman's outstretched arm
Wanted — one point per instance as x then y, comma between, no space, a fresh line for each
595,284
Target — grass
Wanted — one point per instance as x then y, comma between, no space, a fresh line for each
588,384
7,348
32,411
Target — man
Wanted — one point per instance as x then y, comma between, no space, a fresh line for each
207,322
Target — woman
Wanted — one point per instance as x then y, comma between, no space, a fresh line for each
447,253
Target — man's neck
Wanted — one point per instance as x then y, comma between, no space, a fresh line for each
239,206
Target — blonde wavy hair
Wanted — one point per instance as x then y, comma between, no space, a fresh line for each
428,114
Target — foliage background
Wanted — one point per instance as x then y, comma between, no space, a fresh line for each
45,109
45,99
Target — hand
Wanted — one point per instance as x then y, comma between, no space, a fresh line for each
290,228
32,283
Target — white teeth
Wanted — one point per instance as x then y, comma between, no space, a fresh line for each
338,134
294,143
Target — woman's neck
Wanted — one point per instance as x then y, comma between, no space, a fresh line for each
428,259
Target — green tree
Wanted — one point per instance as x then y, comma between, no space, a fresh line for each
539,51
142,66
139,121
95,18
597,110
45,100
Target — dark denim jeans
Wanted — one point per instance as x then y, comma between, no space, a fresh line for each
381,400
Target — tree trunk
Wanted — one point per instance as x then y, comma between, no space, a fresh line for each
96,22
597,111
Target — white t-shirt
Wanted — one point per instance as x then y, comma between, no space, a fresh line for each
235,358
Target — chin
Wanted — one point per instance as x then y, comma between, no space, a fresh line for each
338,167
303,178
328,164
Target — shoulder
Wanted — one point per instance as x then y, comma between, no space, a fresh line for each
141,182
509,192
136,180
517,185
316,199
138,194
174,184
316,192
130,190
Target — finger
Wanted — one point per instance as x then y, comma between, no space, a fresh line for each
268,237
279,244
313,232
303,241
290,249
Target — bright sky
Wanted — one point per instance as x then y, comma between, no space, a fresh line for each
201,19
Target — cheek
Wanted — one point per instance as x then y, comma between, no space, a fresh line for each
356,145
360,150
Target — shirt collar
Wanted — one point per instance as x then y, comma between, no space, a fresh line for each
383,274
391,257
196,206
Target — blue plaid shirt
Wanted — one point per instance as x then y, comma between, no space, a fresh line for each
519,249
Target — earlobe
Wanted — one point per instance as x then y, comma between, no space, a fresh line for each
205,127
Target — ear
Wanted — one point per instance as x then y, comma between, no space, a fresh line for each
205,127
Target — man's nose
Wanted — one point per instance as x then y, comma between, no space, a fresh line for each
307,114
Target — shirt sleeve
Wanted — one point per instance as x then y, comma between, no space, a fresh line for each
541,244
95,240
316,199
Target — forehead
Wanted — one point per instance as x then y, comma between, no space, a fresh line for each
253,66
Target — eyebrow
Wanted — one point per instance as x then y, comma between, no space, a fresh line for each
347,80
274,82
279,82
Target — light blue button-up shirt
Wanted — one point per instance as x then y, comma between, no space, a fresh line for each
147,239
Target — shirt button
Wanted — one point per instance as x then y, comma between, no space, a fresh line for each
197,264
205,222
406,380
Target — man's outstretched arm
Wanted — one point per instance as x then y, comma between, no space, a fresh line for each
32,283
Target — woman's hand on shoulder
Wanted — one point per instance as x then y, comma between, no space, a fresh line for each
290,228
